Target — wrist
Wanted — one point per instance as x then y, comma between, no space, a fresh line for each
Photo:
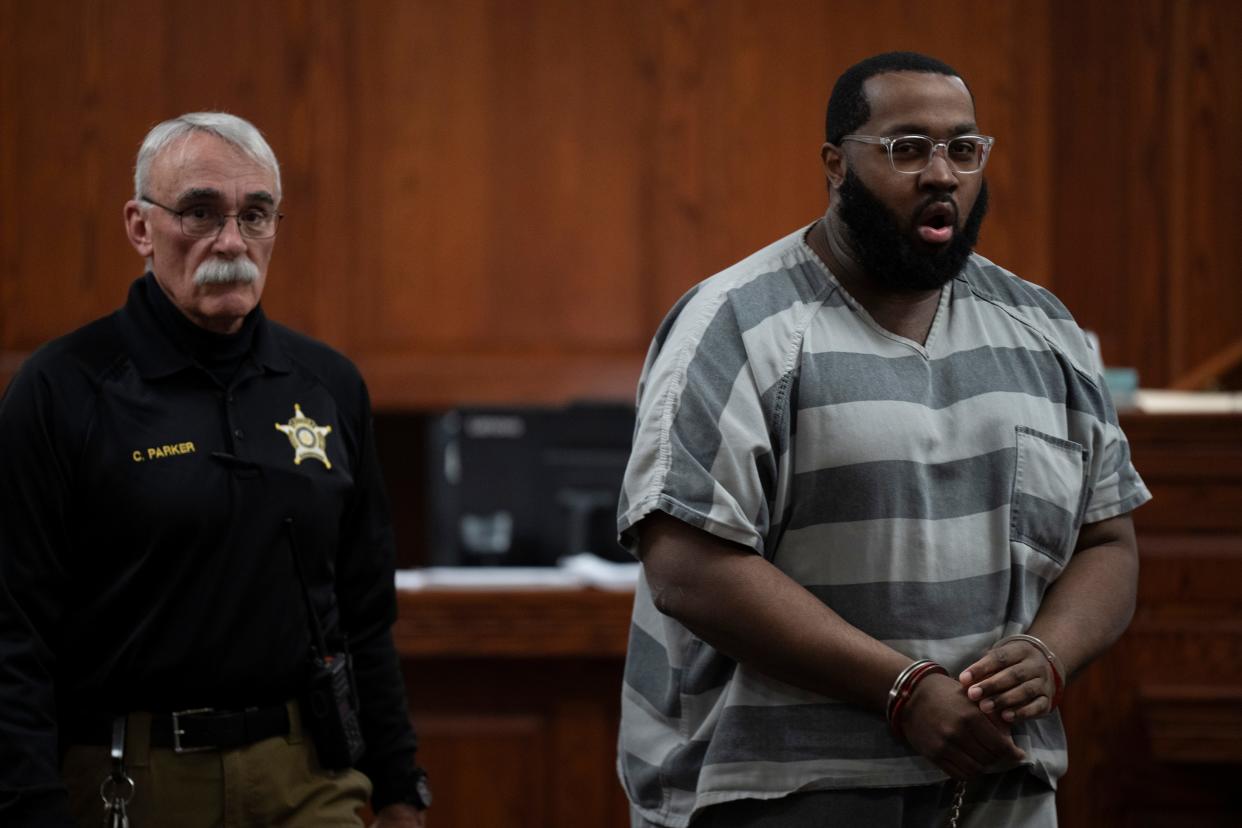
903,689
1054,664
411,791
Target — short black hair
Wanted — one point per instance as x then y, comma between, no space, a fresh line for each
848,108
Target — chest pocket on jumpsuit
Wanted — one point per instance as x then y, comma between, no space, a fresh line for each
1049,493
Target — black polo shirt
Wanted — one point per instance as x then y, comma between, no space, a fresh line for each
155,484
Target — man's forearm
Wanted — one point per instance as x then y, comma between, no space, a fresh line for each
1091,604
747,608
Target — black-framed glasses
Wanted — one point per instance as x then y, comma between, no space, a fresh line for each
201,221
911,154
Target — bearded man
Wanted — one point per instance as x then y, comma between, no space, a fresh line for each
882,504
196,558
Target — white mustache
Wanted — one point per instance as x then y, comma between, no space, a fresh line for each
226,271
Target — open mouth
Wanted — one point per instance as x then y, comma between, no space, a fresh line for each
936,223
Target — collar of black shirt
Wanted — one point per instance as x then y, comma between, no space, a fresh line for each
161,344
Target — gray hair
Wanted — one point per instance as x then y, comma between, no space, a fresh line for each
237,131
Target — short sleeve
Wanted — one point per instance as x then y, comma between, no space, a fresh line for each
1115,487
706,443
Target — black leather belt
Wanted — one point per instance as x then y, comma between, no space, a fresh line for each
191,731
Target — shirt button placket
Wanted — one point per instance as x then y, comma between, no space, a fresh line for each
230,415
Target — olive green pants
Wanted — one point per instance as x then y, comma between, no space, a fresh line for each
275,783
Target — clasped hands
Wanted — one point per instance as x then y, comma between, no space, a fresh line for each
963,726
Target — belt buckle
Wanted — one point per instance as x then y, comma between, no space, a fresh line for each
177,731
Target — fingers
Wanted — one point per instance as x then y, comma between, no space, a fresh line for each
995,661
951,731
980,670
1041,706
998,744
1015,697
958,770
1019,678
970,751
1005,681
973,755
961,760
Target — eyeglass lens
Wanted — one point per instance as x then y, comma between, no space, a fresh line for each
913,153
253,223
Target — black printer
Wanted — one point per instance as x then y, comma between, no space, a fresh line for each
525,486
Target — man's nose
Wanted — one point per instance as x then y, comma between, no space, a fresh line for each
939,173
229,239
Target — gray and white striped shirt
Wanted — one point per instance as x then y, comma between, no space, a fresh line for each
928,493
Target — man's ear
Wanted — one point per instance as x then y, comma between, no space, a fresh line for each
834,165
138,228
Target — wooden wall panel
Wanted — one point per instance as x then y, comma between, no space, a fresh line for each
487,201
82,85
742,89
1144,189
1114,175
515,695
62,203
1172,669
487,769
1206,294
1178,668
503,161
519,743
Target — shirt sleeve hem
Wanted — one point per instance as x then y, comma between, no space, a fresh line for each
663,502
1119,507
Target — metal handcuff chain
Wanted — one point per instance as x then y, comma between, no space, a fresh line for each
959,791
959,795
117,789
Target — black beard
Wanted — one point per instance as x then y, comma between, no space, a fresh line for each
887,251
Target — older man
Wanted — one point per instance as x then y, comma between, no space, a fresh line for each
882,504
196,592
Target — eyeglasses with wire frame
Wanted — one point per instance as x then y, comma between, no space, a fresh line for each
911,154
201,221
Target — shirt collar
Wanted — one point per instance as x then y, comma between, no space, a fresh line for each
265,349
155,354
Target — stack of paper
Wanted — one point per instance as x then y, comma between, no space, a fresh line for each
584,570
1157,401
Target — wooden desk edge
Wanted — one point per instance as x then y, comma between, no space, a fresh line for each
569,622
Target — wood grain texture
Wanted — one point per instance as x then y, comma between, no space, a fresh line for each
534,623
1199,725
1115,178
525,187
519,742
1207,298
1136,719
538,181
1193,466
517,182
